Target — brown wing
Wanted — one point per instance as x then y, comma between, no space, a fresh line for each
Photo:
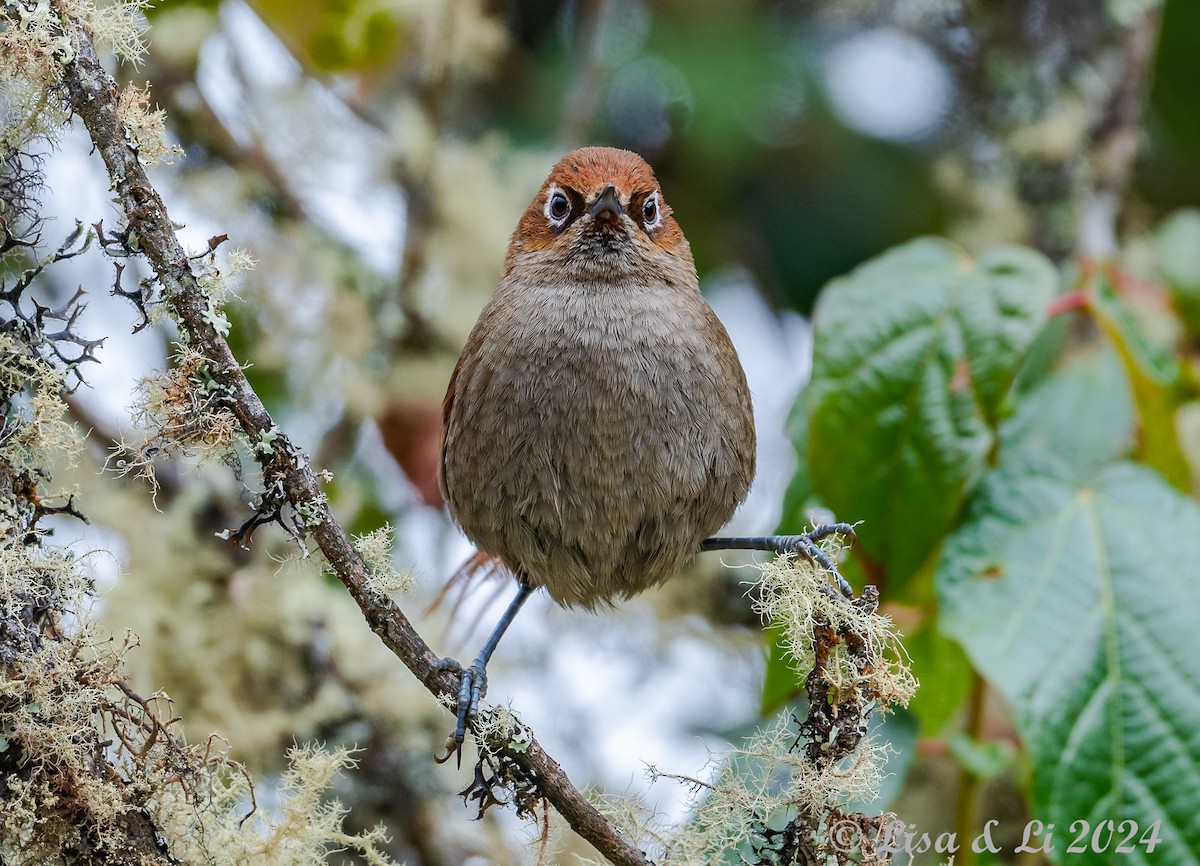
447,408
481,564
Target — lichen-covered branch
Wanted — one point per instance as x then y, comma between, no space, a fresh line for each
66,798
69,795
288,478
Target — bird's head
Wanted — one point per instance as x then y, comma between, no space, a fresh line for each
599,216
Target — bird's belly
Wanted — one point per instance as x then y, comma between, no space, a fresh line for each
598,467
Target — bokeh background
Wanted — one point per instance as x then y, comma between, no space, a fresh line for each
372,156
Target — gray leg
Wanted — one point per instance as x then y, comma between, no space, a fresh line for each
474,679
806,545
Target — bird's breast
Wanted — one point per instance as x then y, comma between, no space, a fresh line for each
596,436
635,377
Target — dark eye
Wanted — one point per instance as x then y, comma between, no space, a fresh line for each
650,211
557,208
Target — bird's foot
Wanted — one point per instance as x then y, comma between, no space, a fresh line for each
471,688
808,545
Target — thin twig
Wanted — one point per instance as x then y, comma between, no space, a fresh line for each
93,95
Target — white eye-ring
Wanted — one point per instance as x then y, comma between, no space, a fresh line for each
558,206
651,211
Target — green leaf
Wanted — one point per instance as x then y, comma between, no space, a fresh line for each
1079,418
1177,245
1154,378
944,672
799,497
1042,356
348,36
1077,601
914,353
982,759
781,683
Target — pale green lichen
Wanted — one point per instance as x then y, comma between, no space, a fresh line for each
215,317
266,441
270,651
183,412
792,595
312,512
500,725
760,781
299,831
39,426
768,779
240,261
376,550
145,128
120,25
63,691
35,49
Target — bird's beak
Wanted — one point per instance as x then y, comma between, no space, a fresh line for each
606,204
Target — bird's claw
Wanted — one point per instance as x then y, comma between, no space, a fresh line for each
450,747
808,545
471,688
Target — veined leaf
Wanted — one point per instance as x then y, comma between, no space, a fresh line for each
1079,417
914,353
1077,600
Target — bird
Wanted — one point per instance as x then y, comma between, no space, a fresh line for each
598,427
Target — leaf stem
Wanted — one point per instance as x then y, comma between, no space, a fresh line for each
967,806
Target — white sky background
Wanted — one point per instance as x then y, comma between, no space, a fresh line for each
605,693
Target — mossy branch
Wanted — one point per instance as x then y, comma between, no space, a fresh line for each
93,95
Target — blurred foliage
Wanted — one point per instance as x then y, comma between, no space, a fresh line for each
1169,175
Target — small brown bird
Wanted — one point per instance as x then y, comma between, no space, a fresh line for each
598,426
